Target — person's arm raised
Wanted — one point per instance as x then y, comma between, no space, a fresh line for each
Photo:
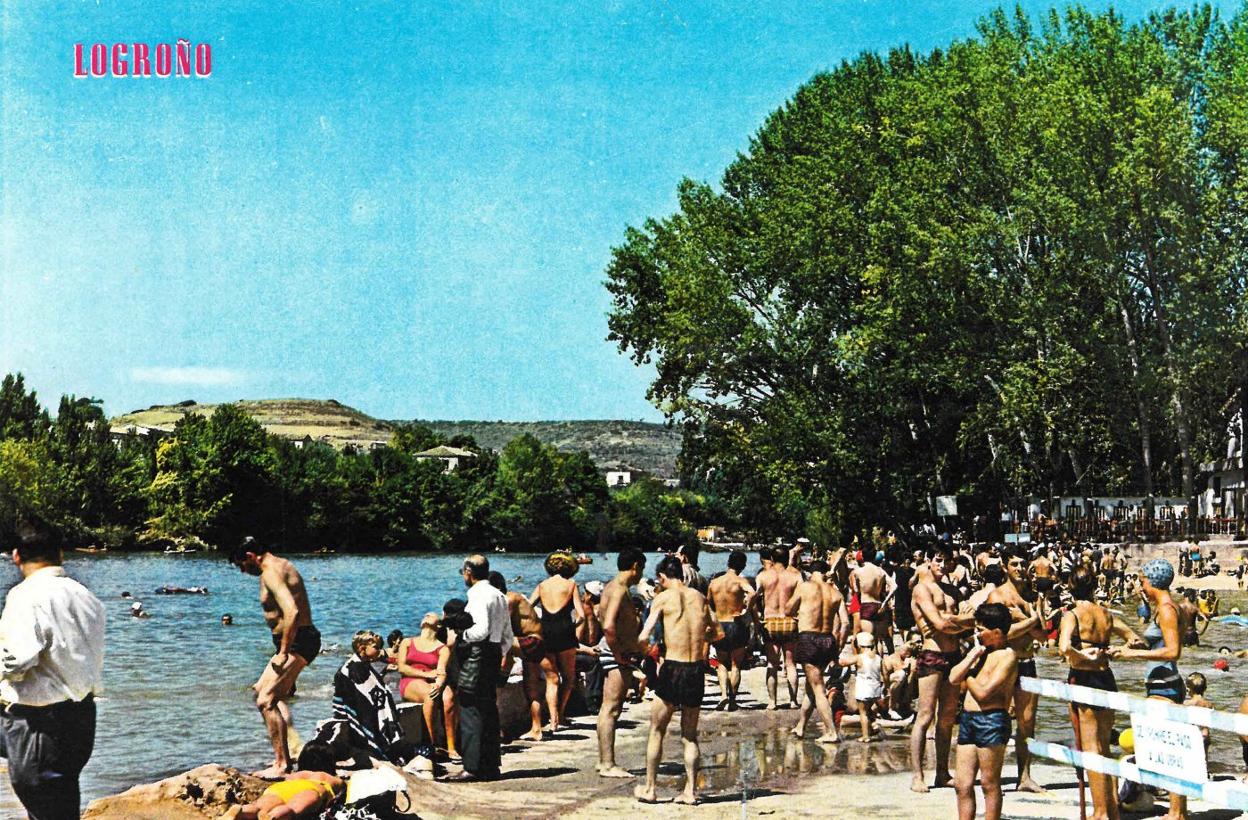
656,610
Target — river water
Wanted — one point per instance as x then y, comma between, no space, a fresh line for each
177,685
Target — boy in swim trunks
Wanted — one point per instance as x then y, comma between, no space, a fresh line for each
688,628
730,596
989,670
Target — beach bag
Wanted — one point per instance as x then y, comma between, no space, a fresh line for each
375,794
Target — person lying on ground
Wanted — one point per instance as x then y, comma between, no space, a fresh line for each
305,792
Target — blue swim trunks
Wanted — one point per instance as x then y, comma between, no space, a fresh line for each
983,729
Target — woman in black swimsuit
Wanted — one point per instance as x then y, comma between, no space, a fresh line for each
1082,639
560,599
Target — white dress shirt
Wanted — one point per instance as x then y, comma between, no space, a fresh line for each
491,619
51,640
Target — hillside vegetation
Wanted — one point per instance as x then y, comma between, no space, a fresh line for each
328,421
651,447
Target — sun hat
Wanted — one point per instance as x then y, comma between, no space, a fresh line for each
864,639
595,588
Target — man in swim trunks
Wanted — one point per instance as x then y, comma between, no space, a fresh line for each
935,614
1027,627
871,584
689,626
780,576
526,628
823,624
731,596
990,670
1043,571
284,601
619,653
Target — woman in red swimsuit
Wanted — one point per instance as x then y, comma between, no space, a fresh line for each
422,661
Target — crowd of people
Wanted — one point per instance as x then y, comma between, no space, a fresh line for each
885,637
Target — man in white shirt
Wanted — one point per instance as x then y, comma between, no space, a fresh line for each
480,649
51,667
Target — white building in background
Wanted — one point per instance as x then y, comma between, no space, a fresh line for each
1223,493
449,456
619,474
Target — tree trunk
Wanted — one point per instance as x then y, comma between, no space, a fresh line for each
1146,440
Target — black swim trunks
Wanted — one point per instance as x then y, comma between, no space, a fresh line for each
815,648
983,729
307,643
681,683
1042,584
930,662
1027,668
736,635
1102,679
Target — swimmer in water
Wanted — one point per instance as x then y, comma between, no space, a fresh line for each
227,619
136,611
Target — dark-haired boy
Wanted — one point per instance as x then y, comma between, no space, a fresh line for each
990,670
730,596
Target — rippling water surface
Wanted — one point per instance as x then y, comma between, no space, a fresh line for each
177,684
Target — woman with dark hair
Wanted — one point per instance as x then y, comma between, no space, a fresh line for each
559,598
305,792
1083,640
1164,639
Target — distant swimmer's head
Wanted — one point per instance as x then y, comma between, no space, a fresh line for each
1196,683
227,619
247,555
1234,610
1224,650
1157,573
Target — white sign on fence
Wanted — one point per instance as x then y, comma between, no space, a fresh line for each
947,505
1169,747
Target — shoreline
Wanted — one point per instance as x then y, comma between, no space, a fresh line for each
556,777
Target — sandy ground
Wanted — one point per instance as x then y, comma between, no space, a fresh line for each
795,779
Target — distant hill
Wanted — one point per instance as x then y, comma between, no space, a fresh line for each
650,447
323,420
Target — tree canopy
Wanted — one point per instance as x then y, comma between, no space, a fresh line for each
1011,266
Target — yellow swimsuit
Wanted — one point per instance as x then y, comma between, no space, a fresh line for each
287,789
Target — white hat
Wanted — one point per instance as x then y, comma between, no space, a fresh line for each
864,639
594,588
136,606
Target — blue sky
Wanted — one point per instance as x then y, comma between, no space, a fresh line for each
404,206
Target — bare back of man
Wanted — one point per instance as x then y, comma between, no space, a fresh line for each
776,585
730,596
1025,631
618,652
688,627
284,603
823,622
527,629
934,614
871,584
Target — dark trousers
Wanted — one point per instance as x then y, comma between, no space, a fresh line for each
47,748
479,741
